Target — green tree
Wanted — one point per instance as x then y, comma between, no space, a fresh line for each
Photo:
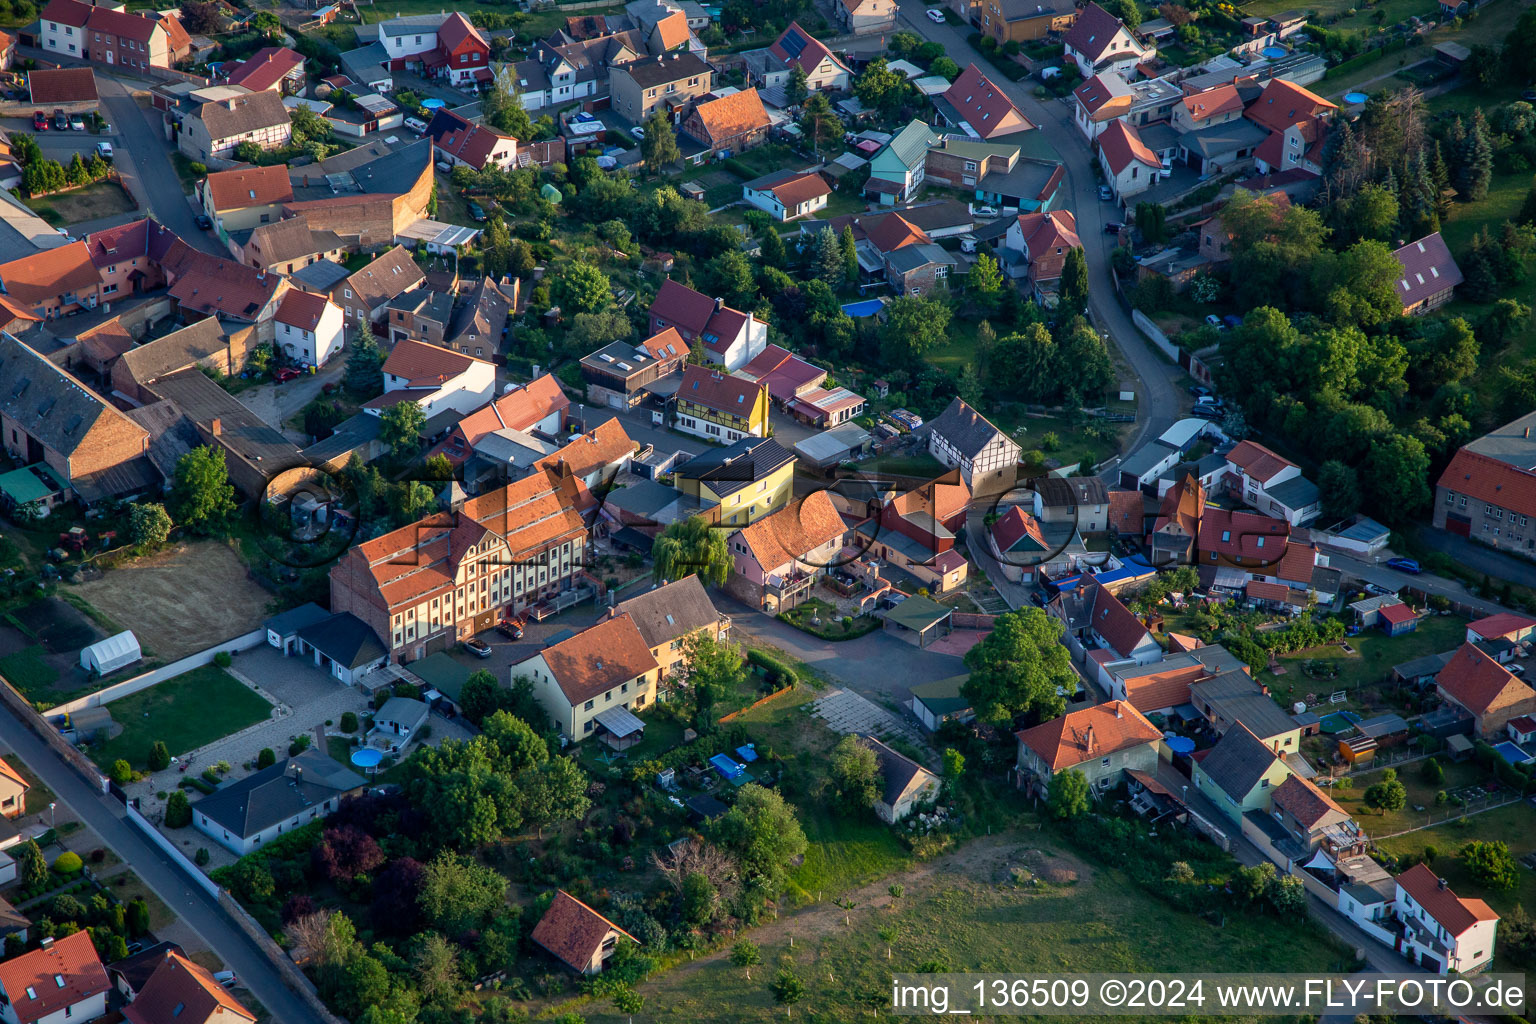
33,866
1372,213
1127,11
698,901
409,501
829,256
400,428
436,966
732,277
763,833
659,147
691,546
628,1002
773,252
1397,477
746,955
879,87
795,89
458,893
945,68
1020,669
504,111
581,287
854,771
914,326
714,668
265,758
122,772
1387,794
985,281
479,696
149,524
591,331
159,756
1067,794
1024,364
1490,864
178,810
496,249
1338,485
954,767
1083,365
365,365
819,123
787,988
850,256
201,493
1072,293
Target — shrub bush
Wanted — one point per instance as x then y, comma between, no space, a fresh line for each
776,671
265,759
178,811
349,721
223,659
68,863
201,857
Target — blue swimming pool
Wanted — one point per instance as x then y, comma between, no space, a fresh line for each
364,757
1355,97
726,767
1274,52
1513,754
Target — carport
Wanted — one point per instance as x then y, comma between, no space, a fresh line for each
921,620
621,729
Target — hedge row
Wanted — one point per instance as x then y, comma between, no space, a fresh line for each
777,672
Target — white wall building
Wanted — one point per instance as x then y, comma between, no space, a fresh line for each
308,328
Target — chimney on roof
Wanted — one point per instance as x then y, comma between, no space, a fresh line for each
46,942
718,304
230,103
1443,884
216,427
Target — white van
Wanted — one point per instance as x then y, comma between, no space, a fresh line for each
416,125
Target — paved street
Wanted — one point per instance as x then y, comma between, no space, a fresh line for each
104,816
1480,558
1160,399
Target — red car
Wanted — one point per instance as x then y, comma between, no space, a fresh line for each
286,374
39,121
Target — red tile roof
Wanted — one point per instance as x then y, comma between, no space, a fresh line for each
573,932
182,992
62,85
1258,461
50,273
1127,513
264,68
1047,237
1116,623
602,446
212,284
137,27
422,365
1102,101
1490,480
714,389
113,245
67,12
803,525
1258,590
1089,734
11,773
725,118
1257,539
665,344
457,30
1454,914
392,273
1480,684
1283,104
1396,613
811,54
1166,688
800,188
1018,528
1428,269
1502,624
519,410
1202,106
985,107
1092,33
891,231
249,186
672,31
45,981
464,140
302,309
1310,806
1122,145
106,341
599,658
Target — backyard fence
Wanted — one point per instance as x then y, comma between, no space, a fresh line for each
107,694
154,835
1451,814
756,704
971,620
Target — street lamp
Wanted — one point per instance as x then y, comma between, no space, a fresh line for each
51,806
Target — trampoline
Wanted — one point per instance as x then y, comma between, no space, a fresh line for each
1339,721
1513,753
367,758
1274,52
1355,97
726,767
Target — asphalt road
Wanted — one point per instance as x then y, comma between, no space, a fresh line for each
105,817
1160,399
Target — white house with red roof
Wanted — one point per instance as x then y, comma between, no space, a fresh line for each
1488,491
786,195
439,45
1272,484
1297,120
308,328
730,337
1500,626
437,379
1129,164
1043,240
1102,742
274,68
975,105
797,48
1099,42
457,140
62,981
1473,681
1440,930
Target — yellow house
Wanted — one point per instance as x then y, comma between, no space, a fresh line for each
1240,774
718,407
671,613
593,681
751,479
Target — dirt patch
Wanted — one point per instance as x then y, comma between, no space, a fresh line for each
93,202
181,601
59,626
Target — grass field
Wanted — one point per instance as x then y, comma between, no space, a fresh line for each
1420,794
1375,655
187,712
28,672
1515,825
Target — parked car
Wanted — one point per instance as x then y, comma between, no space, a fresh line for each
509,629
76,123
476,212
416,125
104,150
1113,227
204,221
984,211
1207,412
39,121
936,16
479,648
1199,390
1407,565
286,374
1379,590
1214,321
60,122
1105,194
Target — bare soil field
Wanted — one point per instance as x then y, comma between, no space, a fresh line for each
181,601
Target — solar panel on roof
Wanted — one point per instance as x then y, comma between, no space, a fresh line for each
793,42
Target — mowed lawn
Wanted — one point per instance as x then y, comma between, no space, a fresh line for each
1421,793
1375,654
1514,824
187,712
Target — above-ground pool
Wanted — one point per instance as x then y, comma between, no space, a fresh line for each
366,757
433,104
869,307
1513,754
1274,52
1355,97
726,767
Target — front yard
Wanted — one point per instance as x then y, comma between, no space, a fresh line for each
186,712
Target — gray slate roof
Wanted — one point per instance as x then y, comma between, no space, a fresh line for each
289,623
322,275
274,794
671,611
1237,762
964,428
48,403
345,639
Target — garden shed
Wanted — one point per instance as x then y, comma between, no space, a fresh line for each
107,656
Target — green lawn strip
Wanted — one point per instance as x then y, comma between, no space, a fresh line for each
186,712
1421,793
1514,825
28,672
1372,663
